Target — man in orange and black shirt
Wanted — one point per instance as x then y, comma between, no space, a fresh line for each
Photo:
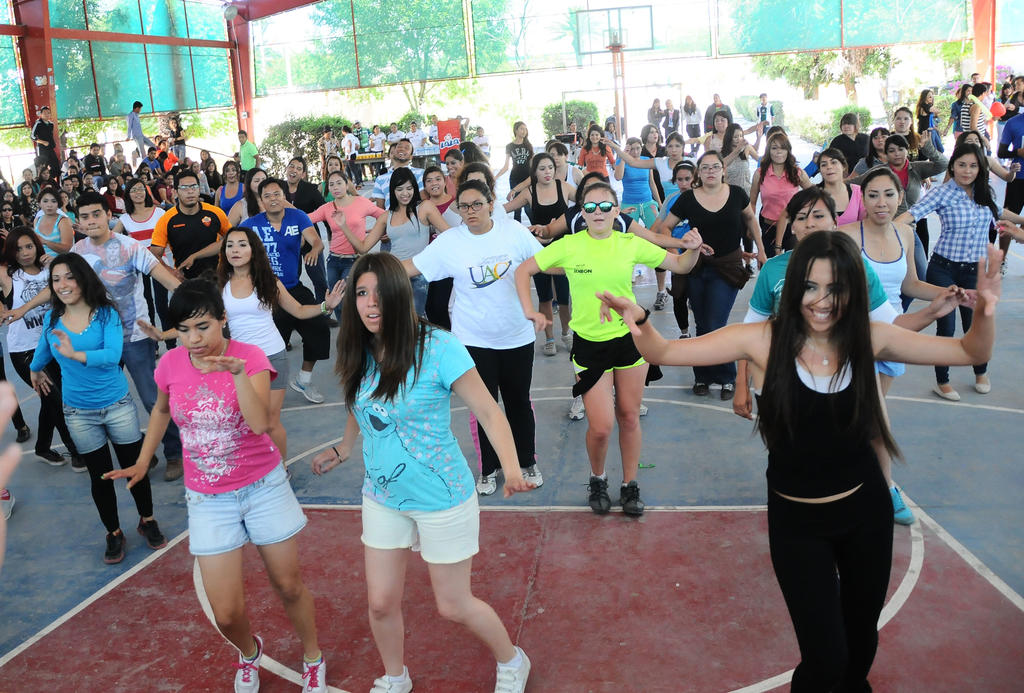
191,229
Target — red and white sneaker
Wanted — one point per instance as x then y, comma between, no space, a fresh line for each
6,503
247,678
314,676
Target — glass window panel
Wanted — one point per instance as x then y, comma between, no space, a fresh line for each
213,77
114,15
170,78
206,21
164,18
72,74
11,95
5,12
403,41
120,76
67,14
873,23
1010,16
755,26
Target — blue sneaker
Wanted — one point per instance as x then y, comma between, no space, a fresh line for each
901,514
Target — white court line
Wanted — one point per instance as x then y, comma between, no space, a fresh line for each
889,611
945,403
267,662
144,563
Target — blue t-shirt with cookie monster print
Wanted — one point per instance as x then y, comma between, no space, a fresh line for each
412,459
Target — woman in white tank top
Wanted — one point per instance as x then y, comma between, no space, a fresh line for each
251,293
22,281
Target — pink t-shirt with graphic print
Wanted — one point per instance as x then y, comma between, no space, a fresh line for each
221,452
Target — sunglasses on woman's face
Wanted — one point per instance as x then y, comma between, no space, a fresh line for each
591,207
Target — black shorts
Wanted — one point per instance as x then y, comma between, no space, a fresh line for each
315,332
544,283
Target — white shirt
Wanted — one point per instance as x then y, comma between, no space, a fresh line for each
252,322
395,136
377,142
484,142
487,312
350,143
417,138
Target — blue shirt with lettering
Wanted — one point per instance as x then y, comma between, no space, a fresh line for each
284,247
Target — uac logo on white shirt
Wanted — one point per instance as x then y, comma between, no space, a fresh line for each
485,275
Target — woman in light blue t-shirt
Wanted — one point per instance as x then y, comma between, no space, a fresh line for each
397,375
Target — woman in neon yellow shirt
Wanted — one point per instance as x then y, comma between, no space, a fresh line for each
603,354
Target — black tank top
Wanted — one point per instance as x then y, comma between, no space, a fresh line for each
826,457
545,214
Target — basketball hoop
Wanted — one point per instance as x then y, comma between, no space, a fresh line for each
614,39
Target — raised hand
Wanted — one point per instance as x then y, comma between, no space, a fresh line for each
990,280
63,345
150,330
629,311
692,239
220,364
333,297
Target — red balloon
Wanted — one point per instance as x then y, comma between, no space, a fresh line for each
998,110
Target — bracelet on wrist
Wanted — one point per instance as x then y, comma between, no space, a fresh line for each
642,320
336,453
324,310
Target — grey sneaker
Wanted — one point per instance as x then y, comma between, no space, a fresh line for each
576,410
549,347
487,484
309,391
660,300
533,475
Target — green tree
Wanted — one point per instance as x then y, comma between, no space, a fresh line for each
811,71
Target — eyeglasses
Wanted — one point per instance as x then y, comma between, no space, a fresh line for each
190,186
713,168
591,207
475,206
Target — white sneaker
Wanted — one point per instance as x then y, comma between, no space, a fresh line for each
7,503
533,475
576,410
513,680
567,340
247,678
643,410
383,685
488,484
315,676
308,390
549,347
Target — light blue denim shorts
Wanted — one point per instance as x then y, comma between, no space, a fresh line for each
92,428
264,512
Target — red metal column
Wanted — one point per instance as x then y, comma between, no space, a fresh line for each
37,58
985,40
241,73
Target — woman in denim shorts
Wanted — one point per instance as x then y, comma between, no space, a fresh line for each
398,374
82,331
218,392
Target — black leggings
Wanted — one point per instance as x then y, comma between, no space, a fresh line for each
832,561
438,295
508,372
18,418
679,295
51,406
103,494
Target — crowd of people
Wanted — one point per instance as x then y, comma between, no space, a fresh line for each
428,285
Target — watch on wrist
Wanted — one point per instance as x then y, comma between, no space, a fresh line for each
642,320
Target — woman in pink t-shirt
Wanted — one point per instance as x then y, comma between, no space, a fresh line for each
348,209
218,392
777,179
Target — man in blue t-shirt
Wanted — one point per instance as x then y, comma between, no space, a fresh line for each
282,230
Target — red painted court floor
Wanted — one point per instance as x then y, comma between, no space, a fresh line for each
677,601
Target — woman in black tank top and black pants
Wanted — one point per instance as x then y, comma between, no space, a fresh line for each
549,286
830,525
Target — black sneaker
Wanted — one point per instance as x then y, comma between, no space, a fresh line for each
24,433
629,498
51,457
700,389
78,464
151,532
728,390
115,548
600,502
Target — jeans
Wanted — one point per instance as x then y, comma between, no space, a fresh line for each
338,269
920,264
419,294
117,422
143,143
139,358
711,299
179,151
943,272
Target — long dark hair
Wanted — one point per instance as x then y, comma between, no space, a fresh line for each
195,297
129,206
585,182
777,420
689,106
11,249
589,146
94,293
792,172
401,176
872,159
982,191
252,202
264,281
537,160
730,133
213,179
913,139
526,140
401,338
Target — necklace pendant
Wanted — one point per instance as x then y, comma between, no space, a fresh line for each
824,361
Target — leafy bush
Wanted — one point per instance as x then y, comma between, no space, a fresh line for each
422,121
296,136
824,129
579,112
837,113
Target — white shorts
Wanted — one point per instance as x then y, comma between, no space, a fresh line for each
442,536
